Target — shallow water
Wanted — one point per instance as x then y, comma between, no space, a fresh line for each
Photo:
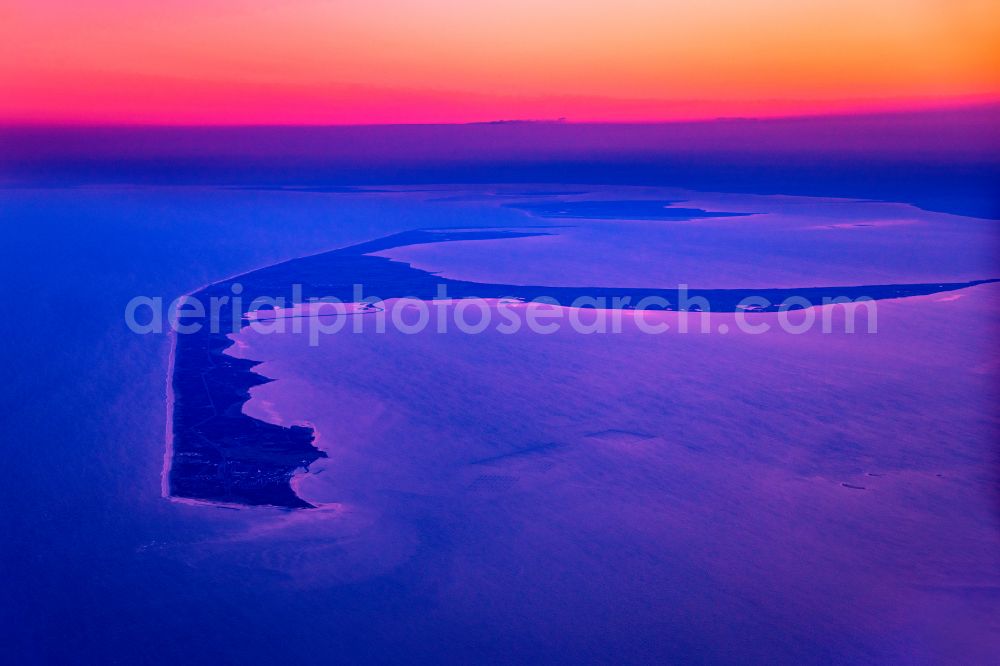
718,496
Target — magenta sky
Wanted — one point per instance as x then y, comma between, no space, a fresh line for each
322,61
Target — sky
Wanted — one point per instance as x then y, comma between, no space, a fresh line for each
393,61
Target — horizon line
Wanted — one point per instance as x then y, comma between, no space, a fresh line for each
960,103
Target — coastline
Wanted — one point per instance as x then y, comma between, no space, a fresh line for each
168,454
216,453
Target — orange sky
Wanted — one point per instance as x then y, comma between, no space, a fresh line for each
332,61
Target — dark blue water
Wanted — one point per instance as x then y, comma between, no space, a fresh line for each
82,417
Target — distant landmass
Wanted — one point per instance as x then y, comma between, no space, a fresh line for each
944,160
